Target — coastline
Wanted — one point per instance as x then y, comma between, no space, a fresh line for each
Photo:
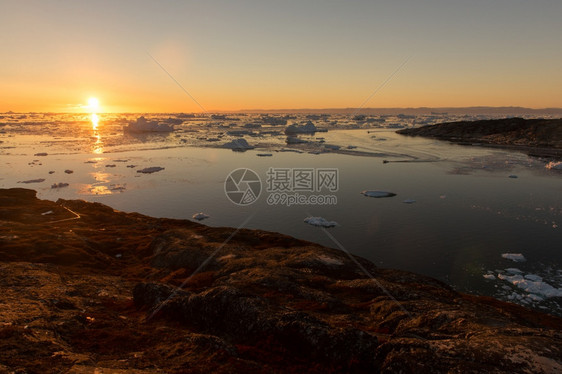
82,295
535,137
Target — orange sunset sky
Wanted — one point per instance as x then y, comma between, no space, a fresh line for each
272,55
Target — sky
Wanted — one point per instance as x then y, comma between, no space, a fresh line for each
234,55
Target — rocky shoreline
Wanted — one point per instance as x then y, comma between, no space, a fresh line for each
84,287
535,137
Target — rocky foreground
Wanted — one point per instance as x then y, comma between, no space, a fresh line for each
84,289
536,137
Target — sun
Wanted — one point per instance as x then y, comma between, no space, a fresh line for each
93,104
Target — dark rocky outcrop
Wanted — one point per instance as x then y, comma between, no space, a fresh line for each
88,288
538,137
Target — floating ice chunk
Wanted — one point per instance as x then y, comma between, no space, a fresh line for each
409,201
39,180
329,260
332,147
118,255
200,216
320,222
301,129
68,171
41,154
513,176
517,257
110,165
533,277
117,187
489,276
59,185
539,288
351,146
554,165
47,213
264,154
52,172
150,170
143,125
378,194
238,145
514,271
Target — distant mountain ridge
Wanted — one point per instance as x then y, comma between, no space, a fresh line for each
473,110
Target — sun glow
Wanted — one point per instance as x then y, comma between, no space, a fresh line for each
93,104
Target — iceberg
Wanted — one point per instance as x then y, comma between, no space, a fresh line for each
33,181
143,125
238,145
150,170
307,128
516,257
320,222
377,194
200,216
59,185
533,286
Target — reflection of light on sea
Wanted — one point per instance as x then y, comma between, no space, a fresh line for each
97,148
95,121
97,188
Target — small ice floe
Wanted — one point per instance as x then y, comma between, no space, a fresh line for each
332,147
320,222
41,154
150,170
52,172
295,140
351,146
143,125
514,271
264,154
117,188
554,165
516,257
513,176
59,185
326,260
110,166
90,162
120,160
378,194
200,216
239,144
68,171
47,213
131,166
118,255
409,201
39,180
489,276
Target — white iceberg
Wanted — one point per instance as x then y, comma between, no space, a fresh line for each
143,125
307,128
150,170
378,194
516,257
200,216
238,145
554,165
536,287
320,222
